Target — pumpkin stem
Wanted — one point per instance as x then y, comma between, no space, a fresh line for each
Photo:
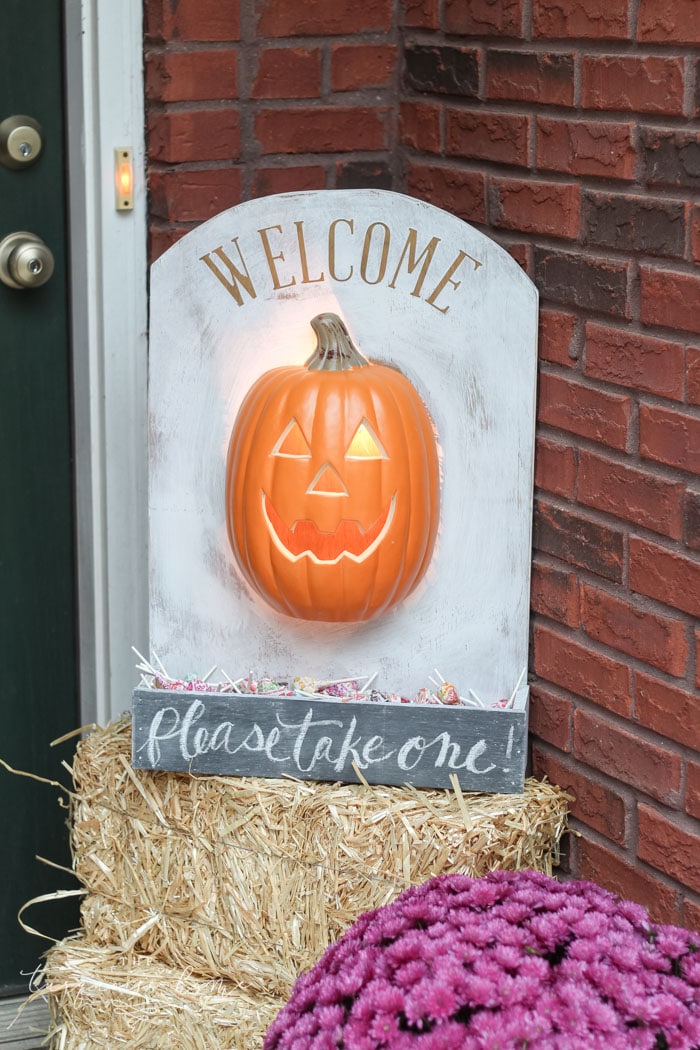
335,351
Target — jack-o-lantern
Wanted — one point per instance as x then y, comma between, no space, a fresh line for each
332,484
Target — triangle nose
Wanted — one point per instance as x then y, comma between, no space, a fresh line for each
328,482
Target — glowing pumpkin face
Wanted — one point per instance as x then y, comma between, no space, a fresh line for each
332,486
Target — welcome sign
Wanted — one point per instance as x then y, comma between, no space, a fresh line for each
278,499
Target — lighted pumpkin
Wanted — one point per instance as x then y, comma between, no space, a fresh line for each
332,486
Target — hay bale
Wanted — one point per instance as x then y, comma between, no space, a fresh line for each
100,997
250,879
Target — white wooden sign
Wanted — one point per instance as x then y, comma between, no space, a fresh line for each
419,290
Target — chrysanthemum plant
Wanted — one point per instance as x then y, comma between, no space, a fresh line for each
511,961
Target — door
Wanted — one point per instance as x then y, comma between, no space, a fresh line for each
38,691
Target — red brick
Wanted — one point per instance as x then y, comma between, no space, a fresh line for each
691,520
289,179
664,575
557,339
634,495
358,66
639,85
421,14
586,148
441,69
183,136
518,250
550,208
577,540
459,192
577,667
670,299
555,467
286,72
201,20
691,915
596,805
320,18
575,279
693,375
636,361
554,593
191,76
484,17
160,239
669,156
654,639
669,847
609,870
582,410
598,742
530,76
634,223
668,711
485,135
351,174
322,129
550,717
670,437
669,21
594,19
697,657
419,126
191,196
692,790
695,219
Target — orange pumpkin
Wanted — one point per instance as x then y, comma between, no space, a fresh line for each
332,484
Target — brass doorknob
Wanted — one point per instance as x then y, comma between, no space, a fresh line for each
25,261
21,141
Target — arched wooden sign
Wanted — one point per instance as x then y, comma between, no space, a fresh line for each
342,390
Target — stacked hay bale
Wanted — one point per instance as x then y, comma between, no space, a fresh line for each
207,896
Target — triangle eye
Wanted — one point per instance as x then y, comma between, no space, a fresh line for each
292,444
365,444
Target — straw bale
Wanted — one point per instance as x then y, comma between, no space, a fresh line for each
100,997
250,879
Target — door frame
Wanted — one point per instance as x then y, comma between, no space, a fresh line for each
104,109
109,308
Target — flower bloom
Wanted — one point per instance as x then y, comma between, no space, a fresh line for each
511,961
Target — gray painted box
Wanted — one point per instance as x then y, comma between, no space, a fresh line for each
319,739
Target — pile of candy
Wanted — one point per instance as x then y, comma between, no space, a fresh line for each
440,692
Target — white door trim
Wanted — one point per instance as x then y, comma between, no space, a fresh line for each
105,110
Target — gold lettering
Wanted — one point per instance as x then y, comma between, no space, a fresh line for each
447,279
426,255
365,252
272,259
231,285
305,279
331,248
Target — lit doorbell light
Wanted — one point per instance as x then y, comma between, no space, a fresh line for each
124,178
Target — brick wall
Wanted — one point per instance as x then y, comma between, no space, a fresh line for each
570,132
288,95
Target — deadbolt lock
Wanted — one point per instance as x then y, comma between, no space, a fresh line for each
21,141
25,261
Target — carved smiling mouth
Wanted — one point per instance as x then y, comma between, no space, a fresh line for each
304,540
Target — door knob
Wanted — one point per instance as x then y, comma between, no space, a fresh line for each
25,261
21,139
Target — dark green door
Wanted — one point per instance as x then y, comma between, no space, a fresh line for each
38,691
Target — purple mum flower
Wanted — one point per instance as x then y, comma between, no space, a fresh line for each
512,961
